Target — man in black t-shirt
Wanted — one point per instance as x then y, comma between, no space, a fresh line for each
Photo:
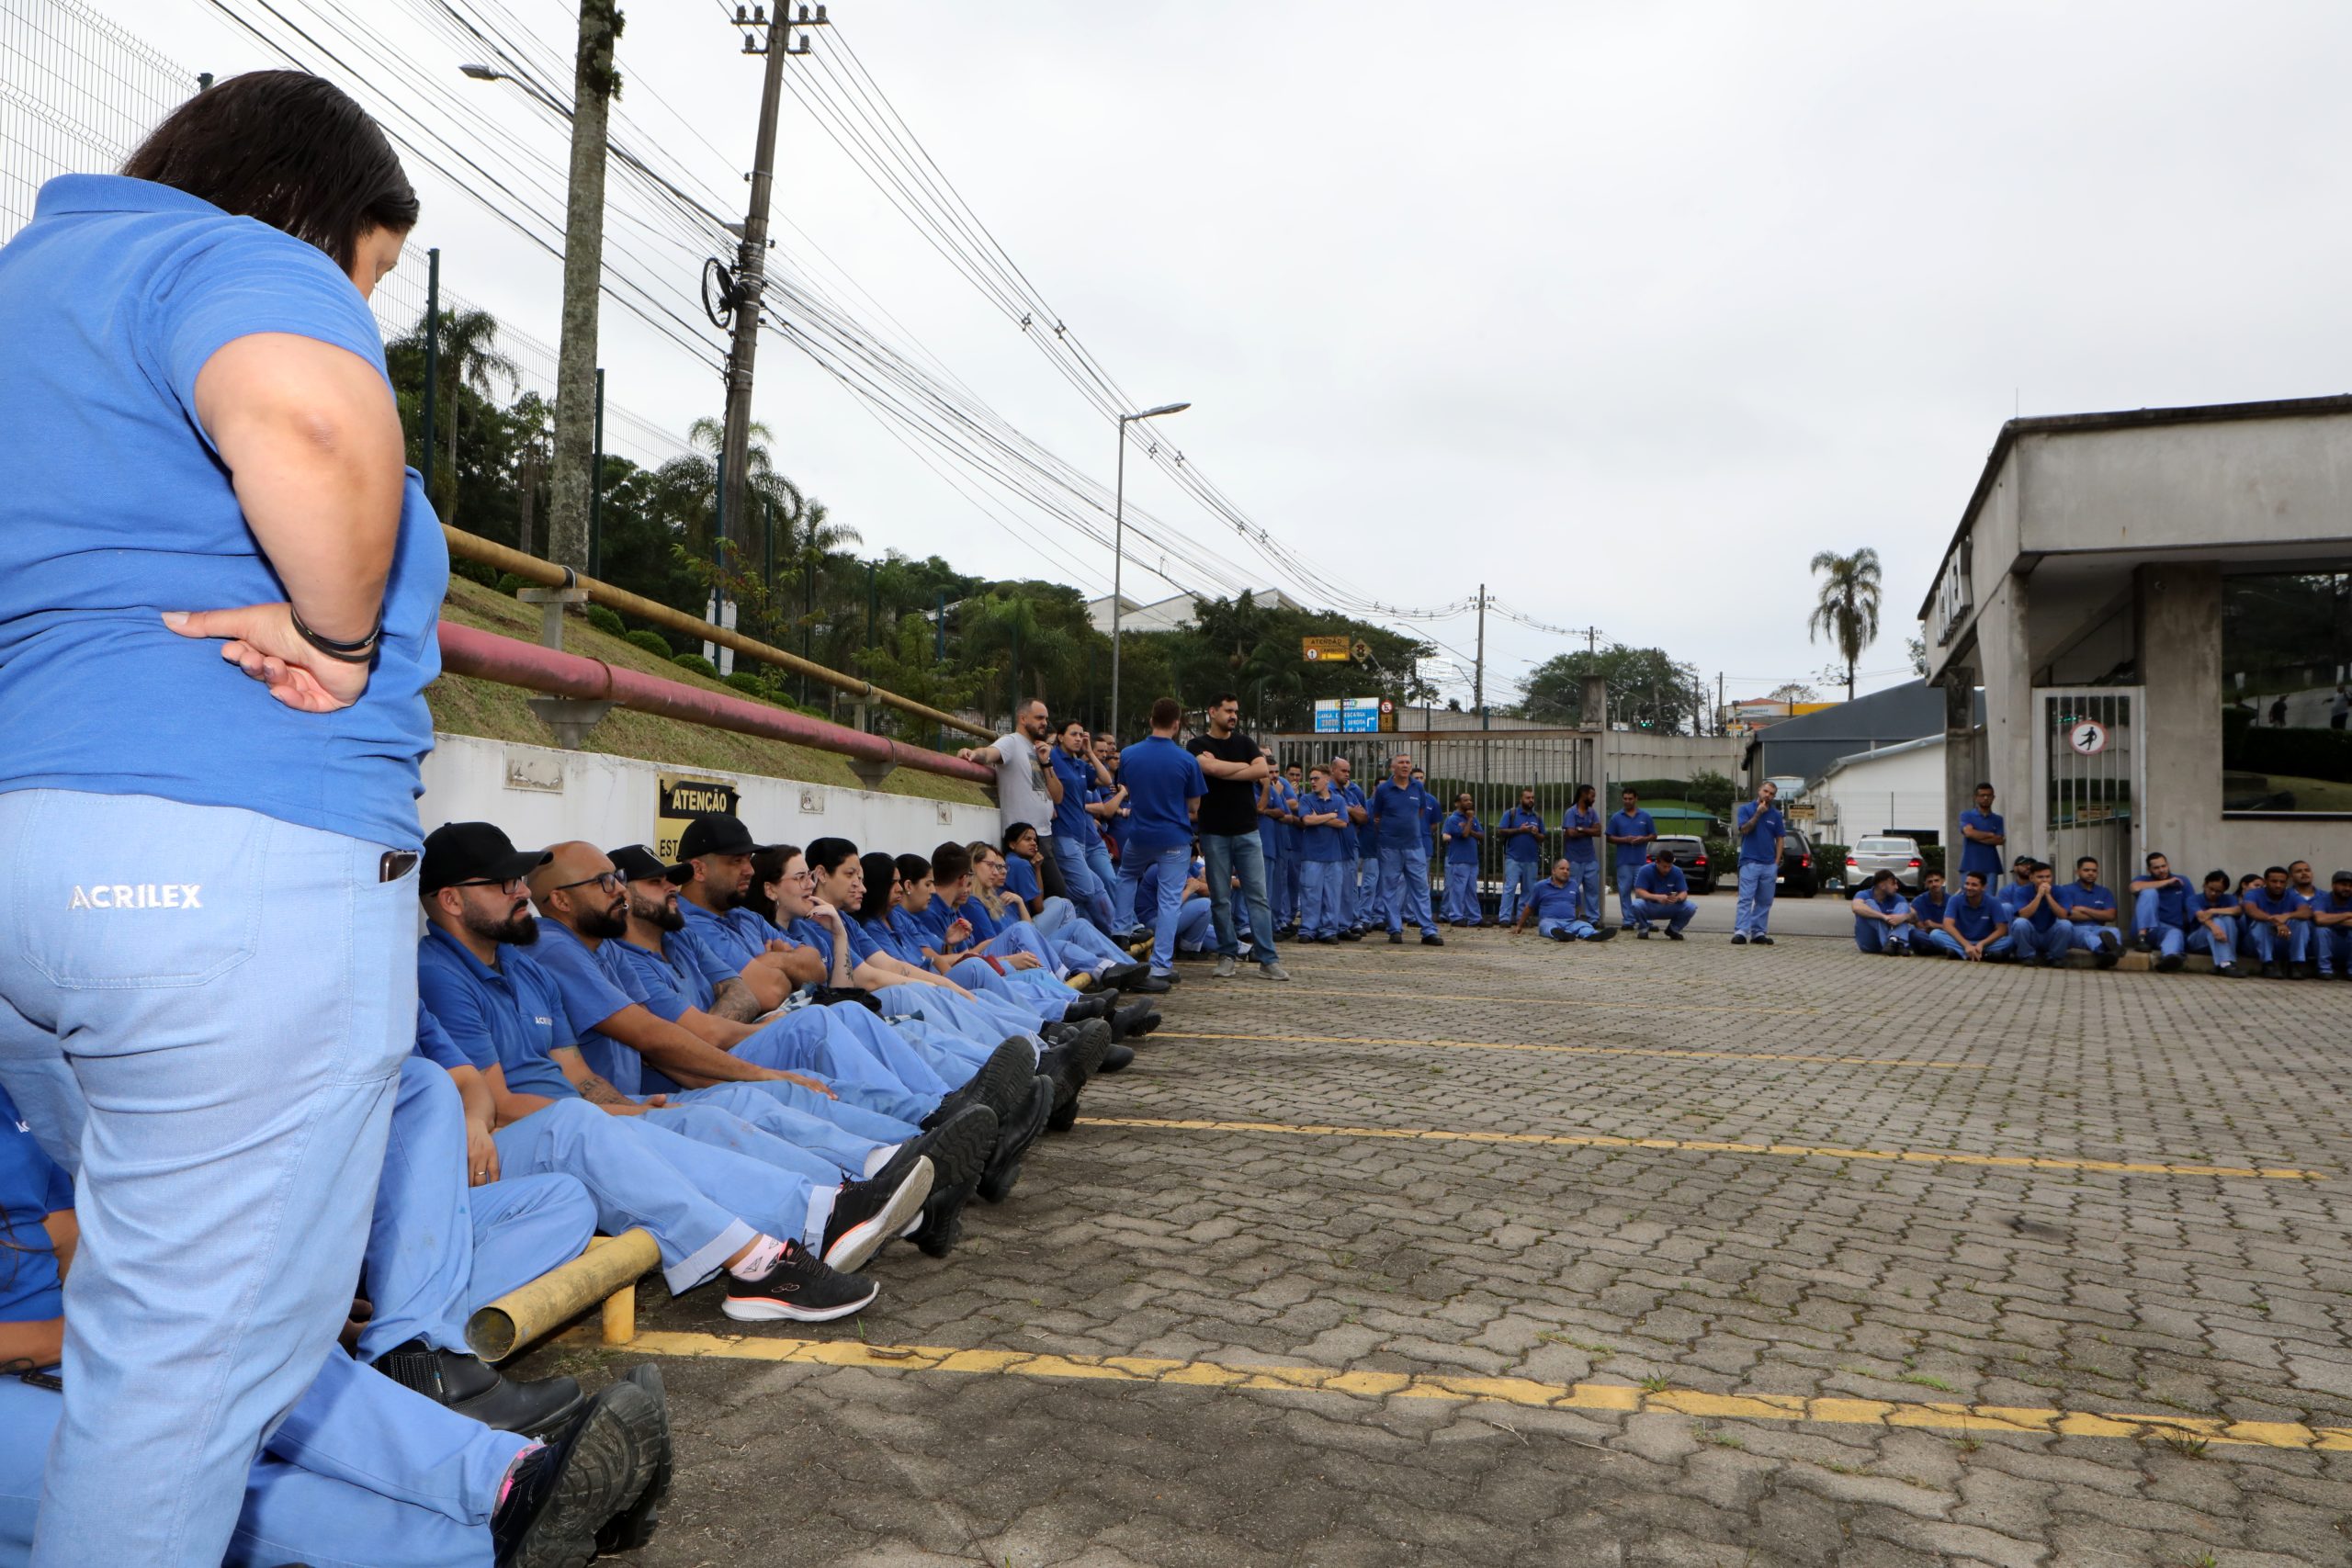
1234,767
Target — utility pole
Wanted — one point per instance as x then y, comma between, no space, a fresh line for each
743,288
1479,677
594,83
432,352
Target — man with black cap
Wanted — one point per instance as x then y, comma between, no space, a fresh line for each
506,1013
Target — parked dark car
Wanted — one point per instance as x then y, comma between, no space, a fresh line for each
1690,856
1800,876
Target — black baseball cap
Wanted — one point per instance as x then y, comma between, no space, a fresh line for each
638,863
718,834
473,852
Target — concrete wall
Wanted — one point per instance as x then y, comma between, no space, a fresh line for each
2251,482
542,796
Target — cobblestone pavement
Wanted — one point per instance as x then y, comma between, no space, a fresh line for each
1723,1311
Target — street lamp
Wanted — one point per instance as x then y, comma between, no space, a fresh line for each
1119,544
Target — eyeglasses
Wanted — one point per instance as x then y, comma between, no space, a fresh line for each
803,875
504,884
610,881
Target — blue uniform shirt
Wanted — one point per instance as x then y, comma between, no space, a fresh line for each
2074,896
1556,901
1070,812
1650,880
1396,815
1885,905
1523,846
1582,851
1631,822
1977,921
1325,843
1930,910
2286,903
713,945
1760,830
32,1188
511,1017
1461,847
1975,856
1162,778
1367,832
1269,828
2224,904
2172,904
433,1041
1294,840
115,508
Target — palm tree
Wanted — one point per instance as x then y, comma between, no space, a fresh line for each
468,358
1846,611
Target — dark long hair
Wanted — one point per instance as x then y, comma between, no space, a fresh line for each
289,149
881,869
767,866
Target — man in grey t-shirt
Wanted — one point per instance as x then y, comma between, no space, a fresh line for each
1027,789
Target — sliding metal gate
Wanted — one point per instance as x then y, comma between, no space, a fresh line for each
2088,777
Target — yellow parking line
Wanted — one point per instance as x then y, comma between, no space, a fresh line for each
1587,1050
1561,999
1525,1392
1710,1146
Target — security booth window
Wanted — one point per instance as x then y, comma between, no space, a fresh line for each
2286,693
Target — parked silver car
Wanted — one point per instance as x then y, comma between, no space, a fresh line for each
1871,856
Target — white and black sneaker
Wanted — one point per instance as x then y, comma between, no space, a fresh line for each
799,1287
868,1213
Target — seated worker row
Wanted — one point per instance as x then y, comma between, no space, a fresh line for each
1556,906
2292,928
505,1016
397,1471
2034,919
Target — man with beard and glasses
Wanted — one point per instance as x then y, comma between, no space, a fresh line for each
505,1012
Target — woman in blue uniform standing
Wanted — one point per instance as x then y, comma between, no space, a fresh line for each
218,592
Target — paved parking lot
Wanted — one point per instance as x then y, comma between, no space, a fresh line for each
1645,1253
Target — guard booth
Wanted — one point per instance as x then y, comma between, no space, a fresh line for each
2157,606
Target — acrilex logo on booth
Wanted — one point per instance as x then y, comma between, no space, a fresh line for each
139,896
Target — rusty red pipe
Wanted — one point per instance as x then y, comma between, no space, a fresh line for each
466,650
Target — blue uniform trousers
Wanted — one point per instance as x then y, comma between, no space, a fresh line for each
1520,877
1877,936
1319,896
210,1041
1647,912
2330,948
1224,857
1278,887
2268,946
701,1202
438,1249
1585,876
1945,943
1405,887
1462,886
1167,886
2220,942
1195,932
2090,936
1753,916
2050,942
1091,896
1577,927
1627,870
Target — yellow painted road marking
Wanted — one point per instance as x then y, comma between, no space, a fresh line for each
1710,1146
1587,1050
1559,1000
1525,1392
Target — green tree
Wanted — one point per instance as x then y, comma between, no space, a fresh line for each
1846,610
1646,687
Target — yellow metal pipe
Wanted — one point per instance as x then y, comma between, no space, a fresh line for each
611,1265
530,568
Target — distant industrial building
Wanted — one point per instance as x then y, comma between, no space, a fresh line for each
1174,613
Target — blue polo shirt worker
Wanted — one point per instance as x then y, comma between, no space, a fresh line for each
1928,908
1273,805
218,592
1295,843
1975,927
1400,816
1232,766
1661,896
1324,837
1522,831
1883,918
1555,906
1077,836
2160,908
2038,918
1465,838
1582,828
1982,834
1759,825
2215,921
1164,789
2090,910
2332,928
1631,831
2277,925
1363,851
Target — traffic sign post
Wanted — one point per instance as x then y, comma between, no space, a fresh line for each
1324,649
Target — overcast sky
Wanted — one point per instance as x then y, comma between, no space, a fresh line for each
1625,310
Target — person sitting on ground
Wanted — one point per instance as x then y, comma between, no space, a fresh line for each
2090,913
2214,925
2276,929
2160,908
1927,911
1555,905
1883,920
1974,928
364,1471
1195,922
2331,940
986,935
2043,934
981,897
1661,893
505,1014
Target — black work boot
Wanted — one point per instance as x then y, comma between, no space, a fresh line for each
472,1388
